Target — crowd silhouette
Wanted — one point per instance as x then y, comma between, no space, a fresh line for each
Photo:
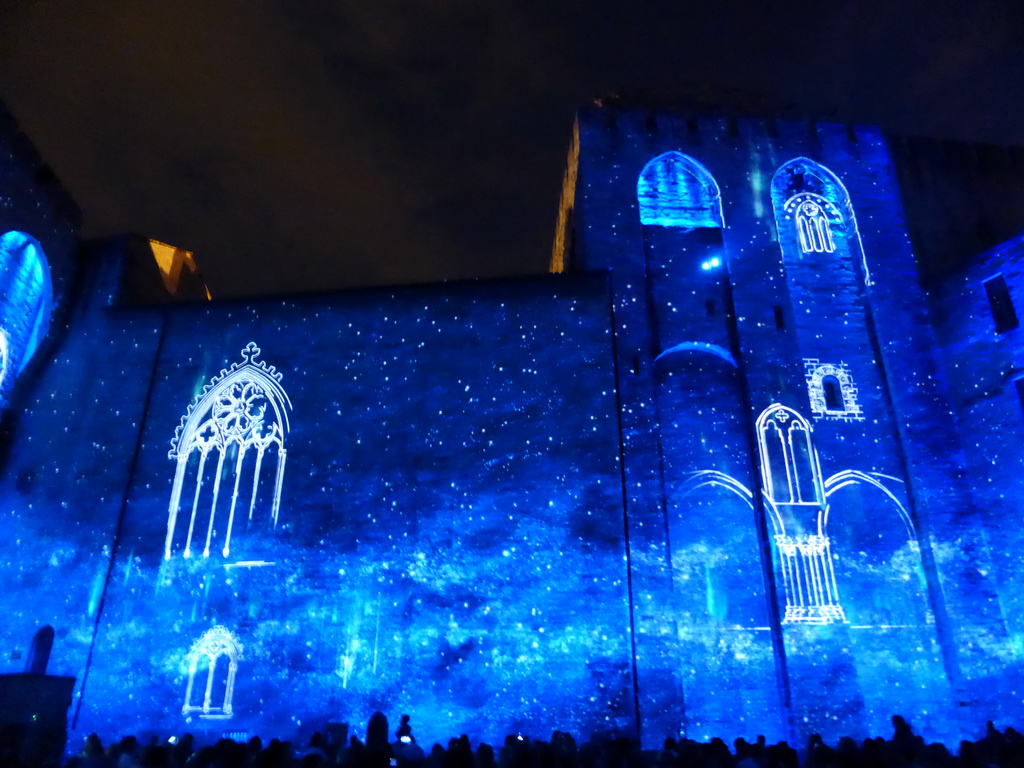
904,749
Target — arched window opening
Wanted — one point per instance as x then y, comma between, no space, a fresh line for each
789,466
26,303
230,454
833,394
674,190
831,390
813,212
214,660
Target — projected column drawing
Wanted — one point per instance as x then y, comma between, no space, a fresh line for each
791,481
797,502
217,653
233,434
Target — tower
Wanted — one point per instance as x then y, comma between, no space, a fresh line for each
773,358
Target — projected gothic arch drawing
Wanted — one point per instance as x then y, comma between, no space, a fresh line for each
813,213
26,301
797,504
216,653
239,421
791,479
674,190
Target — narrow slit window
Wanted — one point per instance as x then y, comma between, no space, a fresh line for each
780,319
1020,392
709,305
999,301
833,394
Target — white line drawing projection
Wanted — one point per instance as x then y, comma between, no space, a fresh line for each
217,652
831,390
812,221
239,421
796,502
814,214
791,476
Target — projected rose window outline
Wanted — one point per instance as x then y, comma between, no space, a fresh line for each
238,422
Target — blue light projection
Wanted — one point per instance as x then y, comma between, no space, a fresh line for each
448,540
26,298
674,190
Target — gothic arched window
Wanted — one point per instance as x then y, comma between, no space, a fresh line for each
789,463
674,190
833,394
216,653
26,302
813,213
230,452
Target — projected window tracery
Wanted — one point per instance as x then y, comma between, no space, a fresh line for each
798,506
788,461
674,190
831,390
813,213
791,477
233,433
215,653
812,222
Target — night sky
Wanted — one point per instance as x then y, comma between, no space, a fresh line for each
301,145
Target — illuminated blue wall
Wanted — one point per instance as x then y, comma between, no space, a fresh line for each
721,482
985,367
449,536
38,242
817,291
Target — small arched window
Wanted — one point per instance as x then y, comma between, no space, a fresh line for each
831,390
26,303
214,660
674,190
833,394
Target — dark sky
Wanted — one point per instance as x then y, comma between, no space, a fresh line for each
296,144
